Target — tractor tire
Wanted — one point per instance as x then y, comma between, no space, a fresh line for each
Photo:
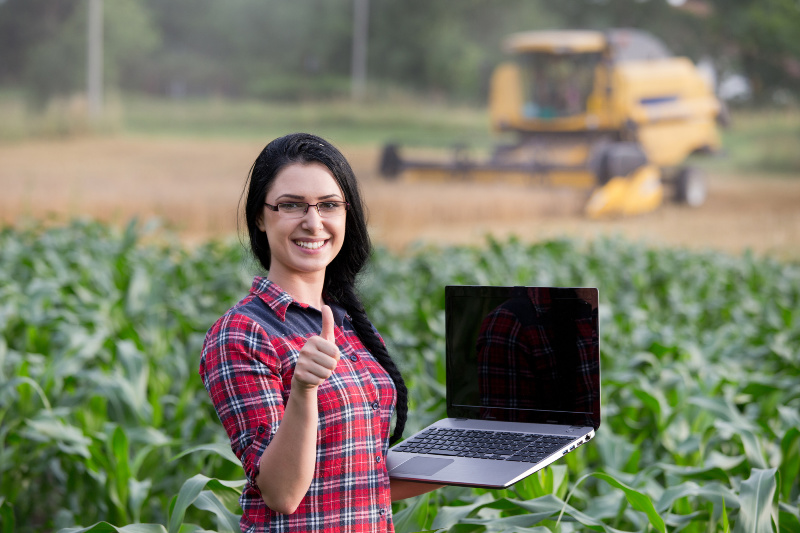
391,165
616,159
690,187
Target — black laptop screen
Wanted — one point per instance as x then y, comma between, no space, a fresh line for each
523,354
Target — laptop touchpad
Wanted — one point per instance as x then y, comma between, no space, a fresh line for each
421,466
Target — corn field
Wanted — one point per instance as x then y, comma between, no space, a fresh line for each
106,426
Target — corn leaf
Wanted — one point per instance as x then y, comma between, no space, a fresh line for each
639,501
755,499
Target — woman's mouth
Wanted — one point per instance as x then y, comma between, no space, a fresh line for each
310,245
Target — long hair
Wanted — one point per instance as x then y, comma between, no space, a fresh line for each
340,275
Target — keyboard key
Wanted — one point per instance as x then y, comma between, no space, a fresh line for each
443,452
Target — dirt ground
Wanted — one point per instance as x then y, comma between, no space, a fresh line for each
194,187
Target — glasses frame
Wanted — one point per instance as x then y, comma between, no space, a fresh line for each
276,208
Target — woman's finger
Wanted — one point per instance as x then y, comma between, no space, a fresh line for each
327,324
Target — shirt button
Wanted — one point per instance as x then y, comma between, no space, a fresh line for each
261,429
383,512
354,358
378,459
375,405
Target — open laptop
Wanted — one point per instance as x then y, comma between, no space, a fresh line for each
523,386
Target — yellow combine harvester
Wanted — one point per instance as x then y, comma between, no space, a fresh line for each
609,112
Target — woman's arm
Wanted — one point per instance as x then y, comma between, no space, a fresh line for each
286,467
402,489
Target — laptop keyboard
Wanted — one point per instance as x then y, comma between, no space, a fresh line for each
481,444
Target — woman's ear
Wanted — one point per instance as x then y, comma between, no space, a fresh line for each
260,223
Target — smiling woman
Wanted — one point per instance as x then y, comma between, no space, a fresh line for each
303,241
300,378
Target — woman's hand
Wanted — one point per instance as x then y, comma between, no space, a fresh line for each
319,357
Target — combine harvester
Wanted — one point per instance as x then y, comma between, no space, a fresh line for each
611,113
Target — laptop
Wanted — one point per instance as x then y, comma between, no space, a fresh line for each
523,386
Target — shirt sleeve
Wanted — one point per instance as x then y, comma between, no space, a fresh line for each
242,374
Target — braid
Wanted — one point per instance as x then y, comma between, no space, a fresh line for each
366,333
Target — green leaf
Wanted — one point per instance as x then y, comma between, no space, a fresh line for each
509,522
70,438
7,519
713,492
189,493
450,515
226,520
20,380
138,492
413,517
122,470
726,527
639,501
755,500
555,506
105,527
221,449
789,518
696,472
790,461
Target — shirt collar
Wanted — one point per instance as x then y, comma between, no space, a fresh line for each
279,301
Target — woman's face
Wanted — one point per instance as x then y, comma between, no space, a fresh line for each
302,247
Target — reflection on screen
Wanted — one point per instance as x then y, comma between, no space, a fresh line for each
526,349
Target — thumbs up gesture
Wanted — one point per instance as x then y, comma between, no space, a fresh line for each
318,357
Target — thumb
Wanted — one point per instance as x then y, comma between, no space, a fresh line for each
327,325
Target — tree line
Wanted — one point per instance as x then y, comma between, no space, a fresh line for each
275,49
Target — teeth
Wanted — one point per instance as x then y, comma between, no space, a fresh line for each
310,245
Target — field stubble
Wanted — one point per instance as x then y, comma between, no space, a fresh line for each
194,187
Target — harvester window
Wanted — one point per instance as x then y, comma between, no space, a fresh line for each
556,85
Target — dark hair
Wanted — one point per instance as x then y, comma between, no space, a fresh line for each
340,275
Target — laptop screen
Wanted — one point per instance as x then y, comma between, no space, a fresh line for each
523,354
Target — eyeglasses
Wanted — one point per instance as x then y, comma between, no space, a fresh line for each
299,209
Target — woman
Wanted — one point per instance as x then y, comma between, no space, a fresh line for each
300,379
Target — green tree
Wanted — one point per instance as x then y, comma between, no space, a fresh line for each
449,46
24,23
761,38
755,37
48,44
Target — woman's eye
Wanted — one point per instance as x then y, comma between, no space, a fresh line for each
328,205
291,206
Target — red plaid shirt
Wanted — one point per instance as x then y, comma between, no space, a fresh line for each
247,366
528,360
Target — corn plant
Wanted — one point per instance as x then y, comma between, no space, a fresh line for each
105,423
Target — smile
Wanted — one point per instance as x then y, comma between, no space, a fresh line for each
310,245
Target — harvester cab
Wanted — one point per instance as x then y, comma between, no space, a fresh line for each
612,113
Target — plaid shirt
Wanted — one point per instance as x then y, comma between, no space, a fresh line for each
247,366
528,359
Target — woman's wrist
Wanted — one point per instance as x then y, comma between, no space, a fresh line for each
303,397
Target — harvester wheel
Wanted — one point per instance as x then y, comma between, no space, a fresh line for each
391,164
690,187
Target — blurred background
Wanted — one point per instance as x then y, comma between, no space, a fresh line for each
650,177
157,109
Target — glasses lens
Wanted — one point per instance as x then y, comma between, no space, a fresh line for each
293,209
331,209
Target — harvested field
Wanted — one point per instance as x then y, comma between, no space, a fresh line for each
194,186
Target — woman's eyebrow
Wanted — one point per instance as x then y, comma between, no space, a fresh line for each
289,196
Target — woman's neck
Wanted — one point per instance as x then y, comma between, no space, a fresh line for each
304,289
